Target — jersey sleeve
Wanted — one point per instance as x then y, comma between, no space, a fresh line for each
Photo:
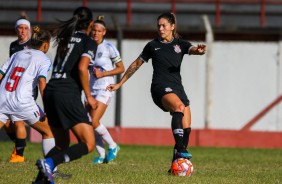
5,66
44,68
186,47
90,49
114,53
146,53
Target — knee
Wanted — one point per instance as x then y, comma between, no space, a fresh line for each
179,108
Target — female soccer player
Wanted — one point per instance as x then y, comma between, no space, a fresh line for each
103,72
22,28
19,76
62,95
167,52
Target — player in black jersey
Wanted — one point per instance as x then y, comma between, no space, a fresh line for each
167,91
62,96
22,28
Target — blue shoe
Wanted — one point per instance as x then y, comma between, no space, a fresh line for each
46,166
98,160
112,153
184,154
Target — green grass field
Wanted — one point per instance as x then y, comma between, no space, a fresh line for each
149,164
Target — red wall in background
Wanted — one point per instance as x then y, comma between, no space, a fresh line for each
198,137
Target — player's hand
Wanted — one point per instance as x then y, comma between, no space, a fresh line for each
91,102
201,48
97,73
113,87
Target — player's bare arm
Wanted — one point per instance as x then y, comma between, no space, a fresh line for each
117,70
129,72
199,50
41,85
84,79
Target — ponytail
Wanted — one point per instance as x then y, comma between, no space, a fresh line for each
81,19
38,37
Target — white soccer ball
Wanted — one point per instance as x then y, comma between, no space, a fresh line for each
182,167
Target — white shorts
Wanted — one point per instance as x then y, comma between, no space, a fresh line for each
29,117
103,96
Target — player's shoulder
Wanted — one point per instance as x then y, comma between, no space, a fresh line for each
108,44
14,43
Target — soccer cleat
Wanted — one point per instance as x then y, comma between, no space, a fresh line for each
46,166
14,153
98,160
57,174
16,159
183,154
112,153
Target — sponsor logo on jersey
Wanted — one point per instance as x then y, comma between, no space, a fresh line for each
77,40
168,89
177,48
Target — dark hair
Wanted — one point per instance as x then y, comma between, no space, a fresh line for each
171,18
38,37
99,20
63,32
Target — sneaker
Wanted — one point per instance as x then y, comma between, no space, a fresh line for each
98,160
112,153
46,166
57,174
184,154
16,159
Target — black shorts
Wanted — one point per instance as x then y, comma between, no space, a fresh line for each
159,90
64,110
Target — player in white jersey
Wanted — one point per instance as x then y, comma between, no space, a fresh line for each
22,28
107,64
19,75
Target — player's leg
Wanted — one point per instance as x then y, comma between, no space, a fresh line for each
10,130
96,116
85,135
173,104
186,121
20,142
48,141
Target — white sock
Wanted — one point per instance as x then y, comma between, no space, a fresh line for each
100,145
102,131
47,145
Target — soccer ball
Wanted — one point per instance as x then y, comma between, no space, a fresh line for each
182,167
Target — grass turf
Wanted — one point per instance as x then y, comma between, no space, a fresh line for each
149,164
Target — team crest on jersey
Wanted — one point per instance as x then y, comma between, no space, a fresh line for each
177,48
100,54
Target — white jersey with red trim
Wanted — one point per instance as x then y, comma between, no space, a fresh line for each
106,57
21,73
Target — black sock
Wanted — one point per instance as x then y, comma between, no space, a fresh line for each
186,137
72,153
20,145
177,129
53,152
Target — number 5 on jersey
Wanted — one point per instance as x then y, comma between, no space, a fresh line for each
13,81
